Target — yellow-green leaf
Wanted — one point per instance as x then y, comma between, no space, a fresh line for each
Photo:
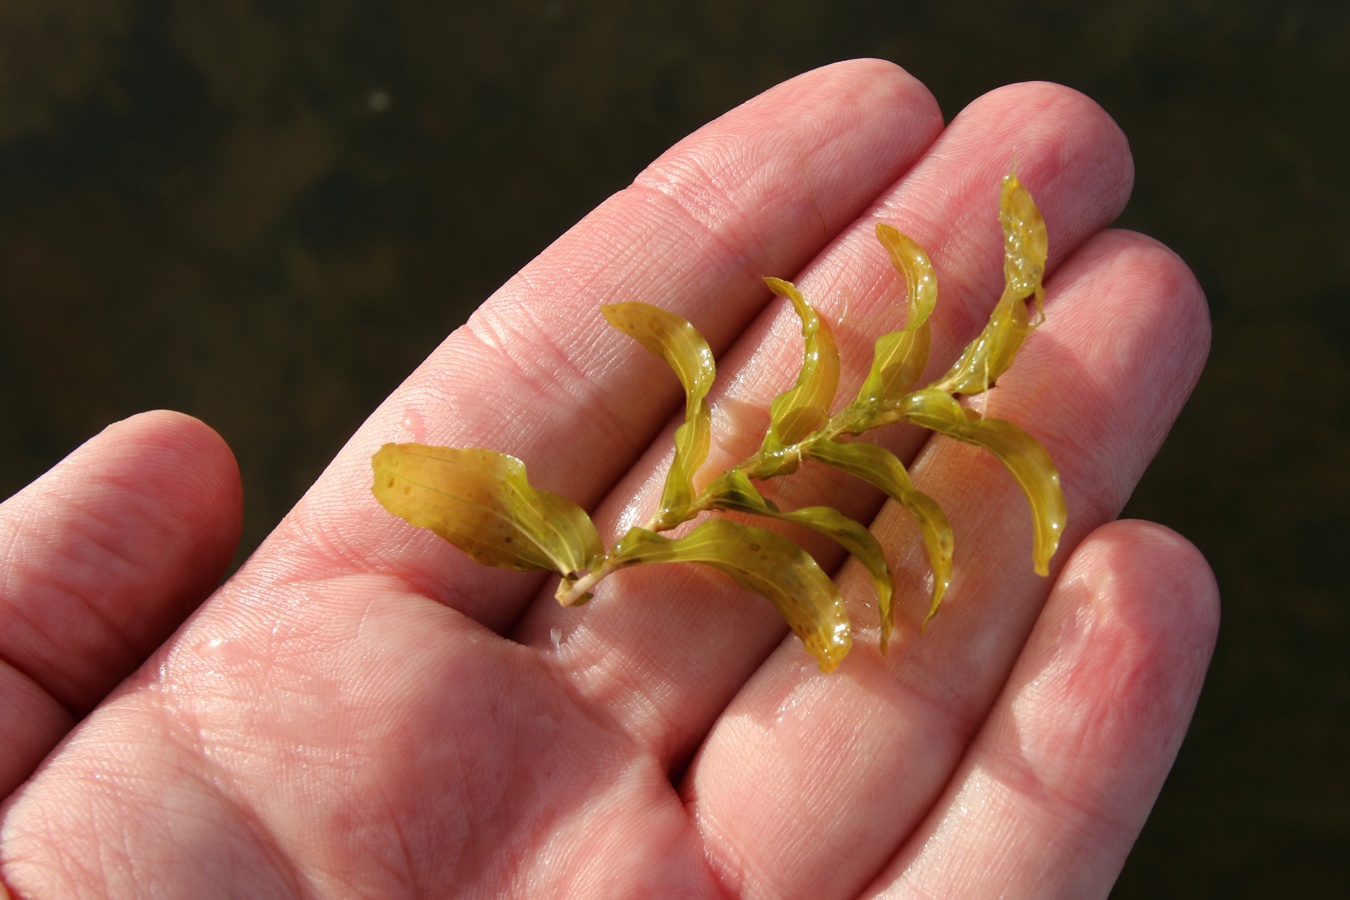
733,491
481,501
1025,458
766,563
881,467
672,338
804,407
1024,252
1025,242
920,282
898,361
898,358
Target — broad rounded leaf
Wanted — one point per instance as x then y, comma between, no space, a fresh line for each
672,338
481,501
882,468
766,563
1024,456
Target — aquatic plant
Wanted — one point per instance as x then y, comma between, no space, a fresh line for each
481,501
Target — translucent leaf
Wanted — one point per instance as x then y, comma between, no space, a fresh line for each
1025,243
920,282
991,353
1024,251
881,467
898,358
677,342
1025,458
481,501
733,491
802,409
898,361
766,563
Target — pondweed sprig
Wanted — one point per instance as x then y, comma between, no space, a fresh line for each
481,501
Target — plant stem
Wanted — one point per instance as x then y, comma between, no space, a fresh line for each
571,593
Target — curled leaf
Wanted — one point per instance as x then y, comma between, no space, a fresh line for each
898,361
898,358
734,491
882,468
481,501
672,338
1024,252
920,282
766,563
1025,242
804,407
1024,456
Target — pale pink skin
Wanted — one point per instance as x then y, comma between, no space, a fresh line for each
364,711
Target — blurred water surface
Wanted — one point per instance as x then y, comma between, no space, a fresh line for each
266,214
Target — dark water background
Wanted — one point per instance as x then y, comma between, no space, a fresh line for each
266,214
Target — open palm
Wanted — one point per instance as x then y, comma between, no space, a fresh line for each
363,711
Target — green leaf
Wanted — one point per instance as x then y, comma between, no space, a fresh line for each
898,358
481,501
766,563
881,467
920,282
733,491
898,361
1025,458
803,408
1024,251
677,342
1025,242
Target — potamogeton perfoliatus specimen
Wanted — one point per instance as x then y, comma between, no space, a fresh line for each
481,501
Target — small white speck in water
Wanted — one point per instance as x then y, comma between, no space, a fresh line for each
414,425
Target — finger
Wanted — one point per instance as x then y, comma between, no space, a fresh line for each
663,650
537,373
804,770
1059,780
103,557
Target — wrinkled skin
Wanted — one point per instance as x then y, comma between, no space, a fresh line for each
363,711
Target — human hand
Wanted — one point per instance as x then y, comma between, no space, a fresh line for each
363,711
